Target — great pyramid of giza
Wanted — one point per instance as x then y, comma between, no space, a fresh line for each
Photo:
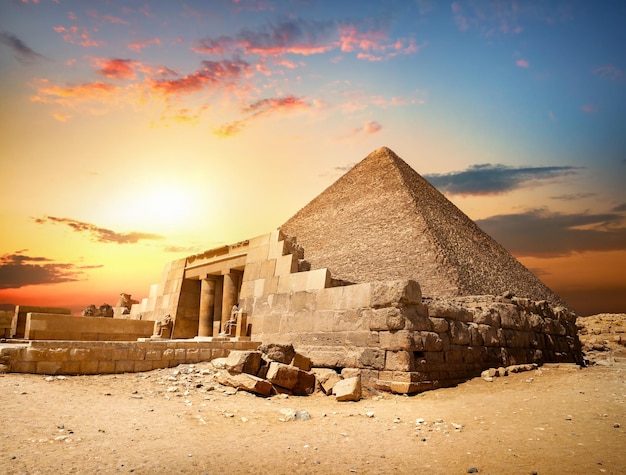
383,221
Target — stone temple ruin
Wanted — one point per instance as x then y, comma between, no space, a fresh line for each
380,273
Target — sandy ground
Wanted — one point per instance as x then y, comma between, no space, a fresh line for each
551,420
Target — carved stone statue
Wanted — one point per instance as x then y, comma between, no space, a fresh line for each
231,324
125,302
163,327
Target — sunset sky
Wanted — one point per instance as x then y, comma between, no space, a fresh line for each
139,132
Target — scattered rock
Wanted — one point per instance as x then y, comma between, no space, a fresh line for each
282,375
326,378
245,381
293,415
241,361
281,352
348,389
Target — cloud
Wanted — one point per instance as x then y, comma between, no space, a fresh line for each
211,73
489,179
139,45
69,96
368,128
573,196
541,233
263,107
551,116
589,108
99,234
116,68
18,270
61,117
22,52
306,37
620,208
78,36
610,73
522,63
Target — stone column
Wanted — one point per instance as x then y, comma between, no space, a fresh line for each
207,302
229,296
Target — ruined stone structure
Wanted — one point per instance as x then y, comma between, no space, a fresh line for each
380,273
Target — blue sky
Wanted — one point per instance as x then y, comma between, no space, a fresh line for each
137,132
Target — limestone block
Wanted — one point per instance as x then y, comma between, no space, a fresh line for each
252,271
141,365
385,294
303,301
415,319
49,367
267,269
124,366
277,249
459,333
488,316
305,384
475,336
244,381
281,352
300,322
316,279
286,265
330,299
439,325
348,389
372,358
384,319
359,338
399,340
326,378
517,339
356,296
242,361
512,318
282,375
431,341
108,367
351,373
349,320
325,358
398,361
301,362
489,335
247,289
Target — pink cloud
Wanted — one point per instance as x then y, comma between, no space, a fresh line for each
371,127
61,117
139,45
590,108
78,36
115,68
263,107
610,73
522,63
213,73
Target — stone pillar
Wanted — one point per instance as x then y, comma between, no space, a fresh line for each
229,296
207,302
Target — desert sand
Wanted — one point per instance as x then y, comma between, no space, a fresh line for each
556,419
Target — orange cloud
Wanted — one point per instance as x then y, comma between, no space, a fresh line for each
212,73
263,107
139,45
115,68
61,117
78,36
589,108
522,63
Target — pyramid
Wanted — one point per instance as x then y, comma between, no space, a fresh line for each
383,221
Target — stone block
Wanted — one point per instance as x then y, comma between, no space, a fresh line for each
305,384
282,375
348,389
516,339
398,361
356,296
416,320
281,352
384,319
24,367
488,316
91,367
141,365
286,265
125,366
301,362
476,338
390,293
244,381
489,335
512,318
108,367
358,338
326,378
400,340
459,333
242,361
439,325
372,358
316,279
431,341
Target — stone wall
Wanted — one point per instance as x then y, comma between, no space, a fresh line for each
404,345
6,320
18,327
100,357
47,326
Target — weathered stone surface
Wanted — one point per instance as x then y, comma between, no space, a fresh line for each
301,362
305,384
241,361
281,352
326,378
282,375
348,389
405,292
398,361
244,381
439,325
459,333
384,319
372,358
